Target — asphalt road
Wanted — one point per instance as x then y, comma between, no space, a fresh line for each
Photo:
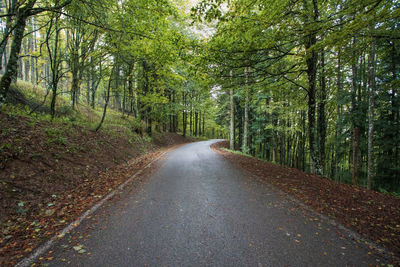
197,209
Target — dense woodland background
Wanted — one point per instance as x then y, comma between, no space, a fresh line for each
311,84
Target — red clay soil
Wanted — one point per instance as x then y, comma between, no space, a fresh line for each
371,214
50,174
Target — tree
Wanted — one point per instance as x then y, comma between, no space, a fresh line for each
55,58
310,57
22,11
371,100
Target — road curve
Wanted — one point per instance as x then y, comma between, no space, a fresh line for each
197,209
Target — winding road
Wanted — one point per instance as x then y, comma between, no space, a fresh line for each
197,209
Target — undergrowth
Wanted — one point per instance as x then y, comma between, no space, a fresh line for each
83,115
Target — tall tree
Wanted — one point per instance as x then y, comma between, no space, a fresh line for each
21,14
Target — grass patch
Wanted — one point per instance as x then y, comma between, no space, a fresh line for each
33,102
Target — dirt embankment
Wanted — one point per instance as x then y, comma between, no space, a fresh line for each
371,214
50,173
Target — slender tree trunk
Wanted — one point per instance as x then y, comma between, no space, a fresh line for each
107,100
321,117
303,140
54,64
184,114
203,123
170,112
371,106
355,156
88,90
395,110
196,117
232,119
130,86
93,87
37,63
199,123
124,98
337,149
354,120
25,61
92,84
173,114
33,49
245,147
191,119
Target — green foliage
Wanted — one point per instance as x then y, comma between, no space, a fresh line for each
272,39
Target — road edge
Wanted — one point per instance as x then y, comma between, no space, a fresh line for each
27,261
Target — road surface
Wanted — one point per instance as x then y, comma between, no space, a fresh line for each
197,209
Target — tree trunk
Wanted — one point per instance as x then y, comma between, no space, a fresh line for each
184,114
371,85
232,120
191,119
335,164
311,61
54,64
170,112
32,41
37,61
130,86
203,123
355,156
5,60
107,100
303,140
196,115
355,119
395,109
88,90
199,123
321,117
11,71
245,147
74,88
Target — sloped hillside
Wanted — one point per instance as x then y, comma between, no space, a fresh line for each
52,170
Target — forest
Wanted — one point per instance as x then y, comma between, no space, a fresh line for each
304,94
309,84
